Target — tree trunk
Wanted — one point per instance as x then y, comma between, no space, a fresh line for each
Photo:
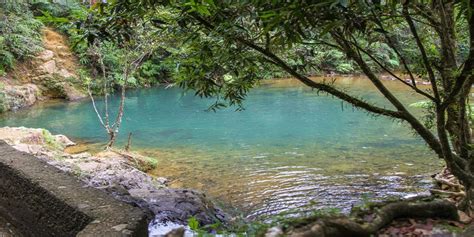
129,143
467,204
112,137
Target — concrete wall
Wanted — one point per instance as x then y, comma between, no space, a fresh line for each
40,200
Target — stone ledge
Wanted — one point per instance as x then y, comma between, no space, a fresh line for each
40,200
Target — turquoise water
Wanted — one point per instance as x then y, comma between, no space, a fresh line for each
288,149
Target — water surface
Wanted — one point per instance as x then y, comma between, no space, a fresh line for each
289,149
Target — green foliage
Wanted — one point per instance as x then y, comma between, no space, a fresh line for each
470,110
49,19
424,104
80,23
198,57
429,115
20,35
3,106
193,223
50,141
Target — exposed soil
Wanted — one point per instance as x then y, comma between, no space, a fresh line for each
59,45
54,42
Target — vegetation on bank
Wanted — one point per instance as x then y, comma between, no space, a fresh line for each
20,35
230,43
222,49
21,39
366,219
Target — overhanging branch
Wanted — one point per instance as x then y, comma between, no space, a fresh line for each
424,56
391,73
304,79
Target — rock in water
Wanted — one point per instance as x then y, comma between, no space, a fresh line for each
178,205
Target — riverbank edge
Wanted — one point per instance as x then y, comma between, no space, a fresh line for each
116,173
39,199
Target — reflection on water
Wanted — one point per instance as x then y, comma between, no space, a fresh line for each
285,178
289,149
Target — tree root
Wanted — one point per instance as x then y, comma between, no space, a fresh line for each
344,226
447,179
448,183
448,193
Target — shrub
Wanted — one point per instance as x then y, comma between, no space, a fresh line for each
20,35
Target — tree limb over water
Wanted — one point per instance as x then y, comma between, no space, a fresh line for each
230,42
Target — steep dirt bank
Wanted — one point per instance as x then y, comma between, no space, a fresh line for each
53,73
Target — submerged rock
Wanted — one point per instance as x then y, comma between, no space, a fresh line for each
179,232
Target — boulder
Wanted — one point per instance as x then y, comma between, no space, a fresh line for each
17,97
50,85
45,55
64,141
73,94
48,67
64,73
178,205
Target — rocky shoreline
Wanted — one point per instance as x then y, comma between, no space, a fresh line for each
116,173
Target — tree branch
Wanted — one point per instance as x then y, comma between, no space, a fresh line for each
95,108
384,215
394,47
424,56
393,74
305,80
425,133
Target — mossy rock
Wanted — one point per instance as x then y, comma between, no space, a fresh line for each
52,87
3,102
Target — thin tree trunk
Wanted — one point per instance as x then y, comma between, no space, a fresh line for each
112,137
129,143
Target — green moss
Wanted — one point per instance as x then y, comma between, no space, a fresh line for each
76,171
50,141
143,163
471,112
424,104
152,162
21,34
146,164
54,86
3,105
451,228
